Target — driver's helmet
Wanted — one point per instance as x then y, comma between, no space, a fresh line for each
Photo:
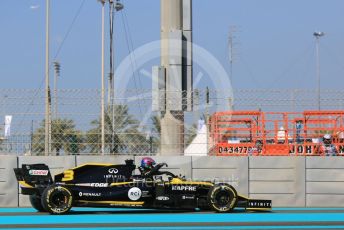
327,139
147,163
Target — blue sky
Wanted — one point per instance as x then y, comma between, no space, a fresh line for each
276,48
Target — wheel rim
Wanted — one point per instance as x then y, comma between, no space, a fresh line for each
59,200
222,198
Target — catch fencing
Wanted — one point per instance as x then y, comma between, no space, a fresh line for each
132,125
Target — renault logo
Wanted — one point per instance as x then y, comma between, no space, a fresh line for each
113,171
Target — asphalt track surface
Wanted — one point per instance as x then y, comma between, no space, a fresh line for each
105,218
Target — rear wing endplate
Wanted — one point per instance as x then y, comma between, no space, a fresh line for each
33,175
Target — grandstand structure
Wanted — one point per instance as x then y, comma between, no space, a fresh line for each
242,133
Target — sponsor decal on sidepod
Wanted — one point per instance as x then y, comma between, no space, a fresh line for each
134,193
90,194
183,188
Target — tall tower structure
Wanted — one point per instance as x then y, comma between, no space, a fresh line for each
172,81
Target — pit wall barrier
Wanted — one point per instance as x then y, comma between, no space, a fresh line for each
281,179
8,182
288,181
324,182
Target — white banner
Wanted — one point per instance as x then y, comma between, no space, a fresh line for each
7,129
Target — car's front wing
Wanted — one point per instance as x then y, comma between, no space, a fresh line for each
254,204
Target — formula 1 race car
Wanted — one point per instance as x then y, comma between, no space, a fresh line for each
109,185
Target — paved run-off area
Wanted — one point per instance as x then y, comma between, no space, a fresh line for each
104,218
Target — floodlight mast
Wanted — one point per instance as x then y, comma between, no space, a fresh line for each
102,115
47,122
57,68
118,6
318,35
113,7
111,92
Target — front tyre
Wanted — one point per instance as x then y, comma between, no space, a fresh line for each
222,198
57,199
36,203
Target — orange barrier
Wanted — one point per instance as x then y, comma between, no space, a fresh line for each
242,133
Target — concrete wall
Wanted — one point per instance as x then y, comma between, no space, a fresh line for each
101,159
288,181
8,182
325,181
233,170
281,179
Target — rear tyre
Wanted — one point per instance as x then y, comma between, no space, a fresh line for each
57,199
222,198
36,203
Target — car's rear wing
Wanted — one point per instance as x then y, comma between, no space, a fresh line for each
33,177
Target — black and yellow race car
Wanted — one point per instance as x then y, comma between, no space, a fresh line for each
109,185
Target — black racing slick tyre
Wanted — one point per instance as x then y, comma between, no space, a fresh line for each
36,203
222,198
57,199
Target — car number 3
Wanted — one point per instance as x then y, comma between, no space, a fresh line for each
68,175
